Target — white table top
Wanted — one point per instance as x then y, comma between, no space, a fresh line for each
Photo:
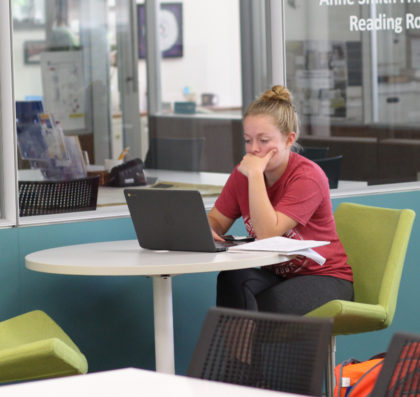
127,258
132,382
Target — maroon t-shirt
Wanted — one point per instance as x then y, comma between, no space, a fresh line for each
303,194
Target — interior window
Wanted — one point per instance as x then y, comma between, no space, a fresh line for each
354,70
75,85
197,126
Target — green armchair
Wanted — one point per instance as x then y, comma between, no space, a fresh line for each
375,240
33,346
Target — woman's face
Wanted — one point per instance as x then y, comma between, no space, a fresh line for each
262,135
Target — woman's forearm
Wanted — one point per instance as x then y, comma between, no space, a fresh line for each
218,222
266,221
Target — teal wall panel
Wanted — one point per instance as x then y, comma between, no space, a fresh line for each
10,279
111,318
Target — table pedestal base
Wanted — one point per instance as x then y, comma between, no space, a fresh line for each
164,328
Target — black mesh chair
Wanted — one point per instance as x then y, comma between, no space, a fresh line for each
182,154
332,168
264,350
53,197
400,374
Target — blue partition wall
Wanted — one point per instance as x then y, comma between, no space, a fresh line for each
111,318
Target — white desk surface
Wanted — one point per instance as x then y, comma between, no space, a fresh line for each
132,382
115,196
127,258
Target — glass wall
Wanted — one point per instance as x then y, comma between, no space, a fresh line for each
82,95
354,70
75,67
201,97
82,85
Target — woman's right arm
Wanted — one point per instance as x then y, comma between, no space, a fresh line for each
219,223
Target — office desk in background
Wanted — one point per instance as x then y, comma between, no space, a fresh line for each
209,184
126,258
133,382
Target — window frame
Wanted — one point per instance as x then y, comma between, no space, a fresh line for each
8,162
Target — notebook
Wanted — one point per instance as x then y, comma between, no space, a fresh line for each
173,220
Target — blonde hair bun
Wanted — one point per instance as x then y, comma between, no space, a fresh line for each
277,93
277,103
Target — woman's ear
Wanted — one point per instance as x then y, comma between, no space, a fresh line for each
290,140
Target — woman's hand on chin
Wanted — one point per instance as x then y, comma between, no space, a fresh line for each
252,163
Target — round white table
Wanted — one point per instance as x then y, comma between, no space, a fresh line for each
126,258
132,382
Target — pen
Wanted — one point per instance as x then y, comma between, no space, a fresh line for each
123,153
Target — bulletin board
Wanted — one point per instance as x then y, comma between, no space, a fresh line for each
63,88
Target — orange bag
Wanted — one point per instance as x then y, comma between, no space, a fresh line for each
356,378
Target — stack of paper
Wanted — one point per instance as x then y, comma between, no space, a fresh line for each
285,246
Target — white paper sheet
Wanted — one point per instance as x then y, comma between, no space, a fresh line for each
285,246
279,244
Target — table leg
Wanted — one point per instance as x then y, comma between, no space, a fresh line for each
164,327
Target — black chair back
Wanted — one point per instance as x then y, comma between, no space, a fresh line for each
264,350
400,374
314,152
53,197
332,168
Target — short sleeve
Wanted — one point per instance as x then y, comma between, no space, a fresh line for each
300,200
227,202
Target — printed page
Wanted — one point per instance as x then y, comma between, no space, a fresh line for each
282,245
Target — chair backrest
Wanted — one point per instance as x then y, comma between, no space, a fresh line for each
332,168
400,374
265,350
53,197
183,154
314,152
375,240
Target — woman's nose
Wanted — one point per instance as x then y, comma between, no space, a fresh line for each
255,147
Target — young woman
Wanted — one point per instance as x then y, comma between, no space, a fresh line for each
280,193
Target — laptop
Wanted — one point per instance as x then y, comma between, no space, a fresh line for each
173,220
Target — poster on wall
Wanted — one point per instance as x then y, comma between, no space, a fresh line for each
169,28
64,93
318,76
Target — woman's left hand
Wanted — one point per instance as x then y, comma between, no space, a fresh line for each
252,163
